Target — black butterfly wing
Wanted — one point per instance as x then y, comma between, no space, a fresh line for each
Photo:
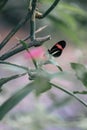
57,54
57,49
62,43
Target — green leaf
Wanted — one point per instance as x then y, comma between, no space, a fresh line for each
15,99
42,84
81,72
7,79
24,44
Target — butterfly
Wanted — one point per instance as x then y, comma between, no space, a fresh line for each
57,49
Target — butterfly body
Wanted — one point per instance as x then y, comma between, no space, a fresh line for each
57,49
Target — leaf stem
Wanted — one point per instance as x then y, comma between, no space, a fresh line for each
70,93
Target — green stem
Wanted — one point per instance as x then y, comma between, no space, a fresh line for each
50,9
71,94
32,20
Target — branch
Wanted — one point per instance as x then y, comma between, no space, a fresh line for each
49,10
36,42
14,30
32,19
41,40
28,37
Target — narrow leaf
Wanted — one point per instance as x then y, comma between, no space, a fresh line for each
18,66
24,44
15,99
7,79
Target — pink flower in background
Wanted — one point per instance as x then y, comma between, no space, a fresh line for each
36,53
